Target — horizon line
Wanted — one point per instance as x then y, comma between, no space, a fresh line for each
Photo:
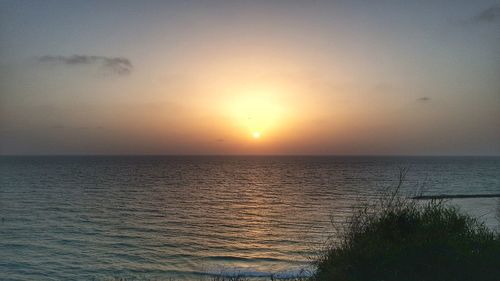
244,155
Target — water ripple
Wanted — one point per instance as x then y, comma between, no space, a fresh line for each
77,218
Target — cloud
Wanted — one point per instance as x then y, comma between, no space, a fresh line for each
423,99
118,65
488,15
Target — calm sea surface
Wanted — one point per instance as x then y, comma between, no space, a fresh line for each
81,218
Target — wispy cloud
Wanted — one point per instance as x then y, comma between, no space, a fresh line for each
118,65
423,99
488,15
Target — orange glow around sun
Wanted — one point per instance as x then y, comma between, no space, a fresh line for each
257,112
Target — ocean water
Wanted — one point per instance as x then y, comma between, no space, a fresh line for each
81,218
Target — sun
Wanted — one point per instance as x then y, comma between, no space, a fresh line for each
256,112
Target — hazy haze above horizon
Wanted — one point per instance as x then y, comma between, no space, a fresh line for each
250,77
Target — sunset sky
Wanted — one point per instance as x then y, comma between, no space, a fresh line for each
250,77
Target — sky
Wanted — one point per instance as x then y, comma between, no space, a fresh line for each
250,77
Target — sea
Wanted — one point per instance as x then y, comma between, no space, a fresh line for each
189,217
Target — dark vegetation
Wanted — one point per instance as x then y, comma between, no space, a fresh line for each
401,239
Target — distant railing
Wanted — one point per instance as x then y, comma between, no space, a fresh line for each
448,196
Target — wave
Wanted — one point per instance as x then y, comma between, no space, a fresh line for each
234,258
252,272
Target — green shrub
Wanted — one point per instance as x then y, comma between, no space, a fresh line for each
399,239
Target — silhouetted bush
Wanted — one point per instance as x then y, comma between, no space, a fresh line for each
398,239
